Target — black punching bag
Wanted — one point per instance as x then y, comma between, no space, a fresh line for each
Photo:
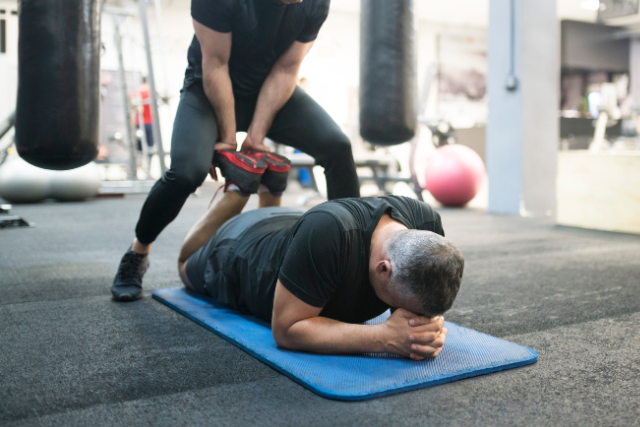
58,82
388,89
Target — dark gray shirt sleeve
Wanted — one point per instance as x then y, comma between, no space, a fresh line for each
314,23
214,14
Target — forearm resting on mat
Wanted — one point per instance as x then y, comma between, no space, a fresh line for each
298,326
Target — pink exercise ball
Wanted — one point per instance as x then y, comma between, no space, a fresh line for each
454,175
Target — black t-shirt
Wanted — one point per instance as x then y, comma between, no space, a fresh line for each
321,257
327,262
261,32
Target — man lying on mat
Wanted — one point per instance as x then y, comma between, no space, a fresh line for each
316,276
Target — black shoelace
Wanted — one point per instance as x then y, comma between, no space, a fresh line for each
131,266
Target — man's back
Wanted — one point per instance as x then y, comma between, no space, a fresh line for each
321,256
327,261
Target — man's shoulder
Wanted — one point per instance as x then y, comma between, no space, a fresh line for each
216,14
327,214
345,206
317,8
406,202
335,216
235,5
414,214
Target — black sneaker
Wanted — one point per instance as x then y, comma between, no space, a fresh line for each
238,168
275,177
127,286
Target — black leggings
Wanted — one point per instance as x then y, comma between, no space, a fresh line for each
301,123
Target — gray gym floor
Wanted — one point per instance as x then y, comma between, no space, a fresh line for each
71,356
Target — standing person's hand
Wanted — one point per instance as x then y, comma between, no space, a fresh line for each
226,145
254,143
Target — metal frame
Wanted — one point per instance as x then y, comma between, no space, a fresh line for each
133,185
157,136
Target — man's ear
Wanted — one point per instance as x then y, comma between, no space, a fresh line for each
383,267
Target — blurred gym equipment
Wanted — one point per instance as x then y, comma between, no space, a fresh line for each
608,109
58,95
133,169
21,182
132,184
7,220
76,184
13,221
454,174
382,171
390,113
59,73
388,85
5,126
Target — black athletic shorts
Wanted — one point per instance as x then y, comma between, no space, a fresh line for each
241,260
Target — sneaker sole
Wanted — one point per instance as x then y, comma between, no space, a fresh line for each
277,173
244,171
127,297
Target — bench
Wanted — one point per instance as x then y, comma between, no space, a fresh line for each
383,171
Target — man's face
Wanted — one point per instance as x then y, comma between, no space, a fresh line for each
408,303
395,297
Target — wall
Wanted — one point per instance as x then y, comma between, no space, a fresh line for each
9,60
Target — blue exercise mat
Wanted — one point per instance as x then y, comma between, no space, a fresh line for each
466,353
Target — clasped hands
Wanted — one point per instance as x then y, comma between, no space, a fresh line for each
409,335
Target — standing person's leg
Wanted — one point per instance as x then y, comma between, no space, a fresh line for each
148,132
204,269
138,140
195,132
302,123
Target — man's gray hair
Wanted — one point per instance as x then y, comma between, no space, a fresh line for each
425,266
